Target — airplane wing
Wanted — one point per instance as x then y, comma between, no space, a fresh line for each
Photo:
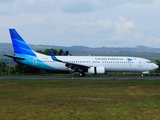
73,66
14,57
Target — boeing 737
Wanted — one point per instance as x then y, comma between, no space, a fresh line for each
23,54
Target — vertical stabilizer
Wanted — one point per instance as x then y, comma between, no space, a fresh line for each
19,45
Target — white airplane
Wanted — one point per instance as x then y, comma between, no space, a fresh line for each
23,54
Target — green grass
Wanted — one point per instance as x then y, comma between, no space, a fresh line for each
80,99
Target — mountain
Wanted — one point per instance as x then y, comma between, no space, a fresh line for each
5,47
139,51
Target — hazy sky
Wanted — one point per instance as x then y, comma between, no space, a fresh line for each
93,23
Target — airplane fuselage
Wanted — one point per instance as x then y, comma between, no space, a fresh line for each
110,63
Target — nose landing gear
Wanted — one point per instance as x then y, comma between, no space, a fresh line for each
81,74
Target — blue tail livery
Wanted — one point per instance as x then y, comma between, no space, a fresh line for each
19,45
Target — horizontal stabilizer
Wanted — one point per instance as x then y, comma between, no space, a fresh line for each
14,57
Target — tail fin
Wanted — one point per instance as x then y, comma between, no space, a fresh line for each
19,45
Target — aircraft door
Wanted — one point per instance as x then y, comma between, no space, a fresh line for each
34,61
140,63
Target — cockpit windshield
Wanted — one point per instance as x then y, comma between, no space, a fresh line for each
148,61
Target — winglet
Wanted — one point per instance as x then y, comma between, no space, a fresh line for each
52,55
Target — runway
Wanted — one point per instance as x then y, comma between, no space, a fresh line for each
80,78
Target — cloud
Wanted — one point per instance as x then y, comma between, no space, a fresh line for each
68,6
142,1
84,22
114,3
152,42
123,24
103,31
78,6
7,7
21,20
15,7
31,1
6,1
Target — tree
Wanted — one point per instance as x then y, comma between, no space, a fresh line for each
60,52
55,52
40,51
25,69
2,67
66,52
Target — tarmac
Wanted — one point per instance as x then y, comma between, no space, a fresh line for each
81,78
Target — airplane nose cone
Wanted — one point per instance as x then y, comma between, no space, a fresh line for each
155,66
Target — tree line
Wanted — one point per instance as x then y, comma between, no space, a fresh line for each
56,52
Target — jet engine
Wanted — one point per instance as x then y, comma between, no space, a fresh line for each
96,70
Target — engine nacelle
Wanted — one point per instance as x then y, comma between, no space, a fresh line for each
96,70
146,72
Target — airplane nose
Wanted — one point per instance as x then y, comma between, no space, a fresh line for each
155,66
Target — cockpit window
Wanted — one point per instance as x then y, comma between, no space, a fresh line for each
148,61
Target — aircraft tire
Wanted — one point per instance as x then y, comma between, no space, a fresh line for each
80,74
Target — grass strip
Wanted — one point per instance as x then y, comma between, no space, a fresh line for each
80,99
